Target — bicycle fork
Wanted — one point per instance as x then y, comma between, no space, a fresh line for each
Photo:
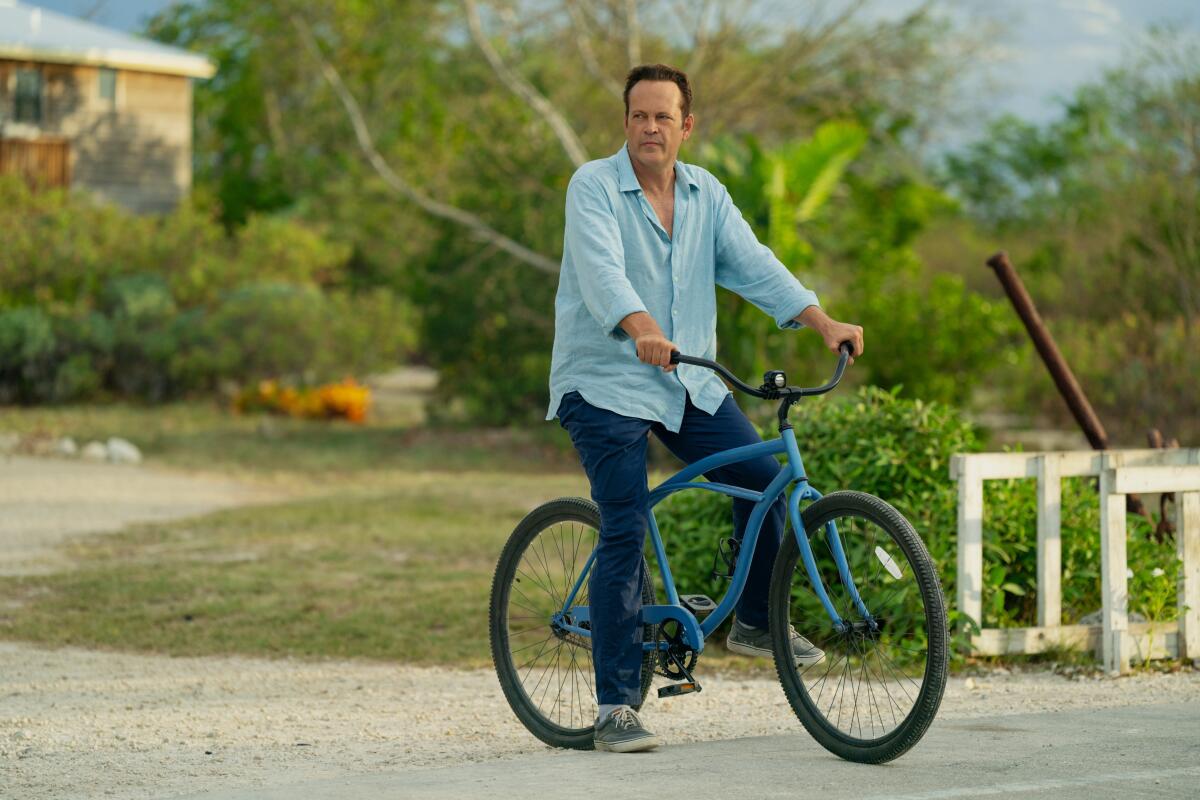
803,490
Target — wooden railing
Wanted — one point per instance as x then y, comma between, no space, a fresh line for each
1121,472
42,162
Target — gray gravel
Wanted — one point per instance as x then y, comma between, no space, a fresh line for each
77,724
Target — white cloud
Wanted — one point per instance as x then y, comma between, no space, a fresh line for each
1095,17
1096,8
1092,52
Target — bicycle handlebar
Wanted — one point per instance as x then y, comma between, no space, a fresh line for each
766,391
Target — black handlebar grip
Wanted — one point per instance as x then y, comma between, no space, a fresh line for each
847,347
674,356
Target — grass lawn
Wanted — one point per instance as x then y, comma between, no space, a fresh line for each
401,574
387,552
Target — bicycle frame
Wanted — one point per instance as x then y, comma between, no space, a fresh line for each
571,617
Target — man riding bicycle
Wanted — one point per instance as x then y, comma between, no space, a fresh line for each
647,240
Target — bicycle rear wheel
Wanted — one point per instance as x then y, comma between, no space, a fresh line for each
879,686
547,674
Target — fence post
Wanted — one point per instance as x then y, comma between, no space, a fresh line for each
1114,585
970,540
1187,544
1049,540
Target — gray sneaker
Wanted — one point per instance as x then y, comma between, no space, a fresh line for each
757,642
622,732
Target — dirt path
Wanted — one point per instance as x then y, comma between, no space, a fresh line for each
45,501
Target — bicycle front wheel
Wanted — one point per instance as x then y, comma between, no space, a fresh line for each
879,685
547,674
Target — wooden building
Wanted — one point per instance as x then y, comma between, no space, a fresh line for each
95,109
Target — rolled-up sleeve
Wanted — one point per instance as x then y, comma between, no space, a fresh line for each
593,240
749,268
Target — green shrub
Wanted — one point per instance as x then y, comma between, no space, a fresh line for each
27,347
875,442
899,450
95,301
302,334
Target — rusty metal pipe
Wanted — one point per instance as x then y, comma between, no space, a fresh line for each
1063,378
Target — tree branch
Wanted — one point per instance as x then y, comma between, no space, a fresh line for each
397,183
700,39
520,87
633,33
580,26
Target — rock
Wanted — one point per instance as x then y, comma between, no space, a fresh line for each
123,452
9,442
66,447
94,451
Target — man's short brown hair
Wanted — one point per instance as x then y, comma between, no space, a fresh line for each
660,72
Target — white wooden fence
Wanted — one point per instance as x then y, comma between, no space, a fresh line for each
1121,472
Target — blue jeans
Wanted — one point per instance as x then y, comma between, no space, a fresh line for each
612,449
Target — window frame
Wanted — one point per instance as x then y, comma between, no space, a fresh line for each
101,74
38,101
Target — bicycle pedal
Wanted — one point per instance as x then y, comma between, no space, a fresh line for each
679,688
727,551
698,604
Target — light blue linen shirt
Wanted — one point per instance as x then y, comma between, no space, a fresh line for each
618,259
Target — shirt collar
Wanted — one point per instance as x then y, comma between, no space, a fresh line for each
628,179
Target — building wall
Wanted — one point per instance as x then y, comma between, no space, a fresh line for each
135,150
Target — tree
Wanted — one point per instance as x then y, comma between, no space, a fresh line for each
474,115
1101,211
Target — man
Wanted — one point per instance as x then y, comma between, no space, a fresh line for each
647,240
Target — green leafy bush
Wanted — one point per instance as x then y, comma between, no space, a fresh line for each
95,301
899,450
299,333
875,442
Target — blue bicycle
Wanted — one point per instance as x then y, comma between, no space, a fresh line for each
855,579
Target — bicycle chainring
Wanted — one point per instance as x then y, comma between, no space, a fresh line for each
678,659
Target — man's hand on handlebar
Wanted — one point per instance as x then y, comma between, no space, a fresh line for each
832,331
656,349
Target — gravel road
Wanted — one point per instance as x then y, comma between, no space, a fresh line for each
77,724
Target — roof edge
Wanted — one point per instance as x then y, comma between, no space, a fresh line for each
190,65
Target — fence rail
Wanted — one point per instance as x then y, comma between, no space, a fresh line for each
1121,472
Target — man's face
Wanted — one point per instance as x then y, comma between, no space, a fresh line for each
655,126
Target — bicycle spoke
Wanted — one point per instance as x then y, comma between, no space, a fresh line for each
554,669
864,687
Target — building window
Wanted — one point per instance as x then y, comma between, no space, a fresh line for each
108,85
28,100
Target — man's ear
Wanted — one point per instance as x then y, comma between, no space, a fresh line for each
688,122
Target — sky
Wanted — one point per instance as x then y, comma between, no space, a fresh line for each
1051,46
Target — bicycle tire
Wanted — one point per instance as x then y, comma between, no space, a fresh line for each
890,744
583,515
